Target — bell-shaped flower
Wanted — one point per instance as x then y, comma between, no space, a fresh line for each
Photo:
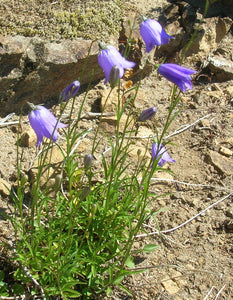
109,57
147,114
70,91
161,154
44,123
153,34
177,74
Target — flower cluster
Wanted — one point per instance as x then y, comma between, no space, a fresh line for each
114,64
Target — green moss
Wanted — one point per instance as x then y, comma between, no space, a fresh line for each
63,19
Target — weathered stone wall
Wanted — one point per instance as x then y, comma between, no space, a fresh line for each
35,70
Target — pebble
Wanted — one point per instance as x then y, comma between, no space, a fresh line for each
170,286
225,151
5,187
28,138
222,163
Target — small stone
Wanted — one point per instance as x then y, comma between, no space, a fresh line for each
230,140
28,138
223,164
170,286
196,202
229,90
145,131
109,124
205,123
225,151
221,67
141,99
5,187
109,100
52,167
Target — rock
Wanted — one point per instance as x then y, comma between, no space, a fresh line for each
209,35
144,131
170,286
28,138
5,187
52,168
229,90
138,153
223,164
225,151
217,8
141,99
109,124
109,100
205,123
220,67
34,70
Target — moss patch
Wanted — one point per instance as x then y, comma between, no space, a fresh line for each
65,19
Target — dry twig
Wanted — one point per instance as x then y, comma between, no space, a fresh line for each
186,222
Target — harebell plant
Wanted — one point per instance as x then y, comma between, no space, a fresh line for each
74,236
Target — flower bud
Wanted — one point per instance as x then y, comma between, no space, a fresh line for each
70,91
147,114
88,158
58,181
24,180
85,192
114,76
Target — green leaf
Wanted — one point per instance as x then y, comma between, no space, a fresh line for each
2,275
149,248
118,279
125,289
129,262
109,291
18,289
20,275
72,293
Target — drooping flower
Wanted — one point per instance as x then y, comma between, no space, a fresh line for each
70,91
88,158
153,34
178,75
147,114
109,57
161,154
44,123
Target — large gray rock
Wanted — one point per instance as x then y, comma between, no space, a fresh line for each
222,68
32,69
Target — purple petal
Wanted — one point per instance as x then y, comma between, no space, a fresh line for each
162,154
44,123
70,91
110,57
153,34
177,74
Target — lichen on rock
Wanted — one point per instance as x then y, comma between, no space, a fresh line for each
66,19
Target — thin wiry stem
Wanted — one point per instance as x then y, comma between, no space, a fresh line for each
186,222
